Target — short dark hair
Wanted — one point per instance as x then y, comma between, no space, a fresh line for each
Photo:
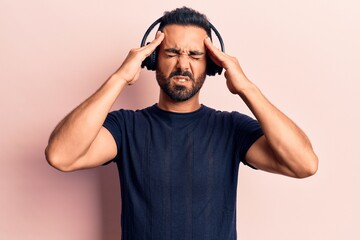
186,16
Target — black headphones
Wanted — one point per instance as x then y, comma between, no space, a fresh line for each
150,61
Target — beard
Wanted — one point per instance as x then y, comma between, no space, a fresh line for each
180,93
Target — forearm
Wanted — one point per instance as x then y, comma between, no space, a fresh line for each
285,148
78,136
74,134
288,142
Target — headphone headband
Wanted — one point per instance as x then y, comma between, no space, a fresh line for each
160,19
149,30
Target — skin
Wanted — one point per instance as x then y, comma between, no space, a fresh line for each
183,49
79,141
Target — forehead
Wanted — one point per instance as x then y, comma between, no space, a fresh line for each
184,37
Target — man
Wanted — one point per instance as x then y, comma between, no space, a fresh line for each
178,160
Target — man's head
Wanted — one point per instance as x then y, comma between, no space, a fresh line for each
181,58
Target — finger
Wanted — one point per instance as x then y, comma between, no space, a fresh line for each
214,53
219,57
159,37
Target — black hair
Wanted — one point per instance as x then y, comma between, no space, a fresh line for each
186,16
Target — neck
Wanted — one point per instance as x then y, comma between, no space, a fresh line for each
168,104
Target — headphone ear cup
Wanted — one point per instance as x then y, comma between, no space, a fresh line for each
211,68
150,61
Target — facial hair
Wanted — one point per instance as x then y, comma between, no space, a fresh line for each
180,93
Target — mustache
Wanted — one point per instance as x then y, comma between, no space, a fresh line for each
178,72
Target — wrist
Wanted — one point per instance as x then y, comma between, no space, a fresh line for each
247,90
116,78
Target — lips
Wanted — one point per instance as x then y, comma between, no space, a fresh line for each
181,79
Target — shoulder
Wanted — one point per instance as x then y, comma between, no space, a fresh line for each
236,122
118,119
228,115
126,113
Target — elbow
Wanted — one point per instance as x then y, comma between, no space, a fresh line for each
309,167
56,161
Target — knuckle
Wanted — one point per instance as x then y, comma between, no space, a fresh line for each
133,50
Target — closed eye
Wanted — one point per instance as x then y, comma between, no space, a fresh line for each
173,52
196,55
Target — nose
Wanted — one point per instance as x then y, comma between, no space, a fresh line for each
183,62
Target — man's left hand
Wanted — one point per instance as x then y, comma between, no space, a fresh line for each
235,78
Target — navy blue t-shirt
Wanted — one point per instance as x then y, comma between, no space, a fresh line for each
178,171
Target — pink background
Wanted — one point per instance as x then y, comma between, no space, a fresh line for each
304,55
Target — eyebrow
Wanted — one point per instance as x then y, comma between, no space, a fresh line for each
177,51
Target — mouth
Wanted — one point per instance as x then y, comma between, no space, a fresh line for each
181,79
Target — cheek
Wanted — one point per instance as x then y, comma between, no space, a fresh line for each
198,67
166,66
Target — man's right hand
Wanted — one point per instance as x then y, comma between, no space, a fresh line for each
80,141
129,70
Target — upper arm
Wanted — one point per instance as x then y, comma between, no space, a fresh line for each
102,150
261,156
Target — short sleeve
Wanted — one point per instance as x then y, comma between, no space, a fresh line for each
113,124
248,130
